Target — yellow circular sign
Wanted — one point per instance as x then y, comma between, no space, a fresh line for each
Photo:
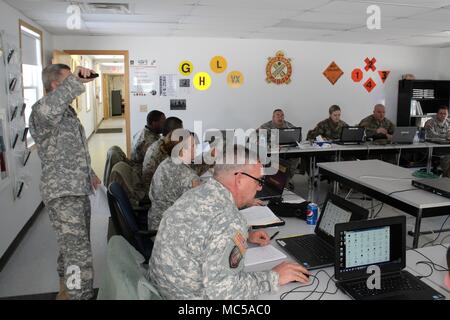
218,64
235,79
202,81
186,67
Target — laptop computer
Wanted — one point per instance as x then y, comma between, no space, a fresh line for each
439,186
274,184
404,135
382,243
351,135
317,250
438,140
289,136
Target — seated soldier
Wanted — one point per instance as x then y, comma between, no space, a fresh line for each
156,153
202,239
144,138
173,177
330,129
439,127
278,122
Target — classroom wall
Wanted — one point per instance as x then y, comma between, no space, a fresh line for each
87,117
305,100
15,214
443,64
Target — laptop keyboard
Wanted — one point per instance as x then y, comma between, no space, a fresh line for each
311,246
388,284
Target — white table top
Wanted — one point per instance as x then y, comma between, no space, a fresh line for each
306,147
386,178
296,226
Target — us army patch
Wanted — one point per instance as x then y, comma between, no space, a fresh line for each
240,241
235,257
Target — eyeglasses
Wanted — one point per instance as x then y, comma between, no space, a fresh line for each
260,181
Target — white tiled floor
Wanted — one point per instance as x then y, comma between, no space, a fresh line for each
99,143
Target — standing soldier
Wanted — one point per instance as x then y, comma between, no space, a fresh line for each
67,177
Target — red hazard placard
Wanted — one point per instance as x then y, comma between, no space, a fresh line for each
357,75
369,85
370,64
383,75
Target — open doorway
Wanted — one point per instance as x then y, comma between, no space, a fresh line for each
104,108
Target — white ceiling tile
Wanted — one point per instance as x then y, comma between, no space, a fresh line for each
417,3
131,18
250,13
267,4
360,8
435,15
340,18
288,23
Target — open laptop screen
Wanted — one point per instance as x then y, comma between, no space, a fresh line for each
331,215
361,244
337,210
290,135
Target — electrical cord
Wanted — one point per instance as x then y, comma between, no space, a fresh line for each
311,292
410,189
432,265
439,233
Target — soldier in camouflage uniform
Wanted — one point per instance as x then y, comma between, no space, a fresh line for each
380,129
67,177
439,127
156,153
147,136
376,125
330,128
200,247
278,122
170,181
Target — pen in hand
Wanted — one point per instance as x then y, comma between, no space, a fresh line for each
274,235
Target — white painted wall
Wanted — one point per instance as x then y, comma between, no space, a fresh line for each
87,117
305,100
444,64
14,214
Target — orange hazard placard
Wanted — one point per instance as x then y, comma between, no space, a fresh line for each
357,75
333,72
383,75
369,85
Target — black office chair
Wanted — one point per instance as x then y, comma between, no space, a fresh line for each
125,221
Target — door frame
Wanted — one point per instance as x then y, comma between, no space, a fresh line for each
126,75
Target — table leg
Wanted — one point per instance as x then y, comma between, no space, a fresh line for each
417,229
430,155
399,156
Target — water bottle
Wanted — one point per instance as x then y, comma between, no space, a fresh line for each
416,137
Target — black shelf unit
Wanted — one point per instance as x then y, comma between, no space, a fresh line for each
430,93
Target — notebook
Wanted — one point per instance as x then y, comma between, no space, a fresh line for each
257,255
261,217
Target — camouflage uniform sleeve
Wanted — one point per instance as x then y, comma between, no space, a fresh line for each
391,127
54,104
365,123
430,131
224,277
312,134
